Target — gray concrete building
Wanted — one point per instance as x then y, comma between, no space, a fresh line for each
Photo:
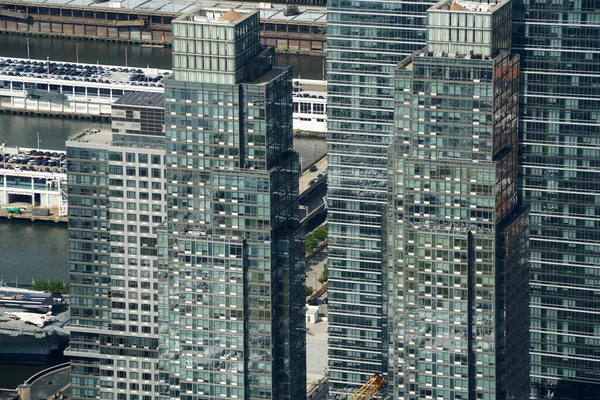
117,200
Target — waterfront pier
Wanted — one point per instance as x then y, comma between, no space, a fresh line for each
288,29
48,87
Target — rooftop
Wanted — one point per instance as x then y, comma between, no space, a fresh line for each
268,11
217,15
146,99
463,5
46,385
93,136
8,394
407,63
268,76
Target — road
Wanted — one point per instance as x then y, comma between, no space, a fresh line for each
314,269
307,176
315,199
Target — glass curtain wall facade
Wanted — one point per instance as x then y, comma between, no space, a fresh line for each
559,44
231,289
116,201
458,233
365,41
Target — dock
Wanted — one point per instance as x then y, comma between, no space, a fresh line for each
53,214
289,29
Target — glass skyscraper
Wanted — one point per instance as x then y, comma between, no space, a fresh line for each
231,280
365,41
458,240
559,47
559,44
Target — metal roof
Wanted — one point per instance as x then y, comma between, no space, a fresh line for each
145,99
268,11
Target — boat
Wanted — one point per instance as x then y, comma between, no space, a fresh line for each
22,343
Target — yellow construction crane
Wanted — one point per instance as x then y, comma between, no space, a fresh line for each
373,385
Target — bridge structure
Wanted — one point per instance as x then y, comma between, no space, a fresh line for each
288,28
313,190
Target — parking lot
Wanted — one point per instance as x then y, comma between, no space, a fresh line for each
42,161
79,72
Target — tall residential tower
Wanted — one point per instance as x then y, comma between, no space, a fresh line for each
458,250
231,280
559,47
116,201
365,41
559,44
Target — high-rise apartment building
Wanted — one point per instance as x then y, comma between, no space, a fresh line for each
458,235
559,44
559,128
231,279
116,200
365,41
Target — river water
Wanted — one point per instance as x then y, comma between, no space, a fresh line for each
113,53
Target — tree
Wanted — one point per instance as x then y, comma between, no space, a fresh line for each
41,286
324,275
56,287
311,243
320,233
51,286
309,291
